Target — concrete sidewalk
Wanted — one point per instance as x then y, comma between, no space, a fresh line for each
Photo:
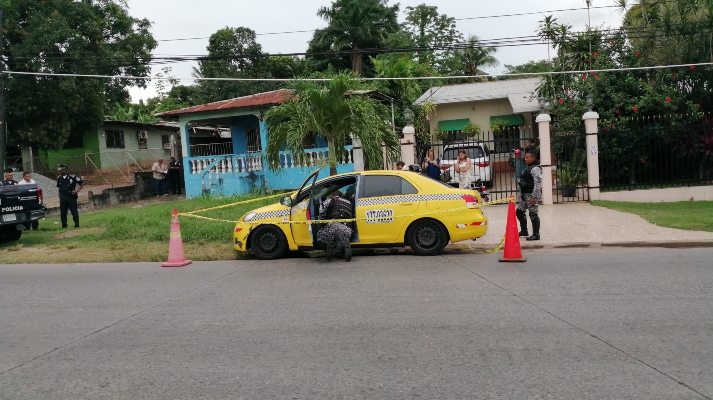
583,223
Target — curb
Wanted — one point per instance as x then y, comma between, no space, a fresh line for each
671,244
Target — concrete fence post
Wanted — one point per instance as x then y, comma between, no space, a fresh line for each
591,128
358,155
543,125
408,145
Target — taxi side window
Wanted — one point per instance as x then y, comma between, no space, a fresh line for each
384,185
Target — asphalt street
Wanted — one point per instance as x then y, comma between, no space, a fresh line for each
598,323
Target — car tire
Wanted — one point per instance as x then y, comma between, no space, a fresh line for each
10,234
427,237
268,243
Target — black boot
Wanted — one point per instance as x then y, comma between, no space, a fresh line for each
535,227
348,253
523,222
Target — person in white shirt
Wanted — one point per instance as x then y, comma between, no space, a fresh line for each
159,175
27,180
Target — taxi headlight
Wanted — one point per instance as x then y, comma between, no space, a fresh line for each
250,216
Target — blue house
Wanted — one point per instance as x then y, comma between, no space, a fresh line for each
230,160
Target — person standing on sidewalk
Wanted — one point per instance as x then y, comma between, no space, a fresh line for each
531,191
67,185
159,177
27,180
174,176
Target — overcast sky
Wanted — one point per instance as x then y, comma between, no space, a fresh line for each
201,18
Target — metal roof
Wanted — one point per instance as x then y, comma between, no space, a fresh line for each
255,100
517,91
272,98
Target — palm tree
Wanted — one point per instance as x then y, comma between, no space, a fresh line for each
331,111
357,25
473,56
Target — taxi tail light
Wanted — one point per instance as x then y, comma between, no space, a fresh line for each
470,201
483,164
40,196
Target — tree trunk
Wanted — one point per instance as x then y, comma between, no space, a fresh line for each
332,158
356,62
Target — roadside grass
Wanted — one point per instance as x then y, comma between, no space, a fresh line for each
688,215
136,232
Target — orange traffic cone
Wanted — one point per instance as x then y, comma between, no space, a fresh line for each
512,252
176,258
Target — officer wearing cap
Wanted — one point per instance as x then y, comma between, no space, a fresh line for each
67,184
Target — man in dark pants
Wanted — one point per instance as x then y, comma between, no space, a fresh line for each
531,190
67,184
174,176
335,236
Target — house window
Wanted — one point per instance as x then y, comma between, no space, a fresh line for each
309,142
253,140
166,142
114,139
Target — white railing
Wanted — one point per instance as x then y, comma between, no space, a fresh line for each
227,164
315,158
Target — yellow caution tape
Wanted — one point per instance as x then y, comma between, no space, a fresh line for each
329,221
486,251
237,204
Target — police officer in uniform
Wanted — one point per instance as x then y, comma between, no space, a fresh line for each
335,237
531,191
8,178
67,184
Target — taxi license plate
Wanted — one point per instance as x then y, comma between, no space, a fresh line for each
9,217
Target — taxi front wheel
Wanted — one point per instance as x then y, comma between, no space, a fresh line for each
427,237
268,243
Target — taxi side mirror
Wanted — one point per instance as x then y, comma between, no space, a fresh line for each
286,201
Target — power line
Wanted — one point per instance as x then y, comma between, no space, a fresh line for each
381,25
365,79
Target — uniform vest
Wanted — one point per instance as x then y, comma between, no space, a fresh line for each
339,208
527,181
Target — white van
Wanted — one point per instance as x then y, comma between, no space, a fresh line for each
479,155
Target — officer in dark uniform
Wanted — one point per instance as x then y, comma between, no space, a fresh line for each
67,184
335,237
174,176
8,178
531,189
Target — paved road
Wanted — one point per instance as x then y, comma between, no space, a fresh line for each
568,324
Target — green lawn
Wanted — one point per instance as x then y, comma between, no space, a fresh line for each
136,232
688,215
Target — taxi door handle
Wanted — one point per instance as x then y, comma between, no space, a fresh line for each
406,204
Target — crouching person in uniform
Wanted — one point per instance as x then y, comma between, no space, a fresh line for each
531,190
334,237
67,185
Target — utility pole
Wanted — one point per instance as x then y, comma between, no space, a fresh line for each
3,124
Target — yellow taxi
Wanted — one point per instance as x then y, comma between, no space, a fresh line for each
392,208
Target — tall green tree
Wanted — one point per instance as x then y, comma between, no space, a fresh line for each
70,37
429,29
232,53
357,26
327,110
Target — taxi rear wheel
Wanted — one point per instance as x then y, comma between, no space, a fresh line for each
268,243
427,237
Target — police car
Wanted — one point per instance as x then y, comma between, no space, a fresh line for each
392,208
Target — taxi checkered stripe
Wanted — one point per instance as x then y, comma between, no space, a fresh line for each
399,199
272,214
